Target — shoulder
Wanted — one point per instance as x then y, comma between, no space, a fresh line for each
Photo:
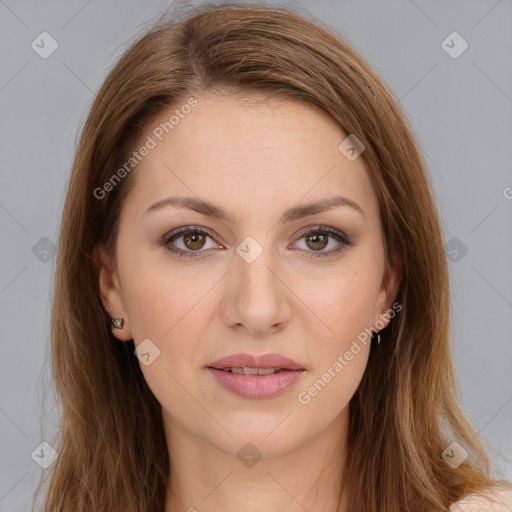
497,499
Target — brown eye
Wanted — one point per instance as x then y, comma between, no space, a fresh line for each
318,241
315,240
190,241
194,240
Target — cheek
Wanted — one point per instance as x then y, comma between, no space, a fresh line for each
164,309
328,392
345,302
340,357
348,314
159,295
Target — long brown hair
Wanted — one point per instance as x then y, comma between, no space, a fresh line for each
111,443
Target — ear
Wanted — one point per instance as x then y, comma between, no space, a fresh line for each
110,291
389,290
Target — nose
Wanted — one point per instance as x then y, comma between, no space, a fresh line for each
257,296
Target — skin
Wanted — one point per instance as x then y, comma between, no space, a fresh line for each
256,159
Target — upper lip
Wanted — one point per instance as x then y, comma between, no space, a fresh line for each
261,361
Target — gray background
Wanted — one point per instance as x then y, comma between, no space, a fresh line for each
460,109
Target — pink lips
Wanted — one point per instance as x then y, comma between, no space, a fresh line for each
250,361
256,386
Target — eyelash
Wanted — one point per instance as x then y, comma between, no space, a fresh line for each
320,230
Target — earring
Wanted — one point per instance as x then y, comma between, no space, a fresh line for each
117,323
378,338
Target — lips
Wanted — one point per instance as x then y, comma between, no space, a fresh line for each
257,377
250,364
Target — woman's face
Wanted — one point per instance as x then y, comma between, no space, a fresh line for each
254,282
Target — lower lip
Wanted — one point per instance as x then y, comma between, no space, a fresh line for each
257,386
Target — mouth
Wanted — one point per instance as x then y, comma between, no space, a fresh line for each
249,364
261,376
244,370
256,383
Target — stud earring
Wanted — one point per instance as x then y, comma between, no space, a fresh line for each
117,323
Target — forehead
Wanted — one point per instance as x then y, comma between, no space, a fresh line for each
249,153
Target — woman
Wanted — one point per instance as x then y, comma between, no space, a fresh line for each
251,301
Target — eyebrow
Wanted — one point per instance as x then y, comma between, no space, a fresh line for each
216,211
